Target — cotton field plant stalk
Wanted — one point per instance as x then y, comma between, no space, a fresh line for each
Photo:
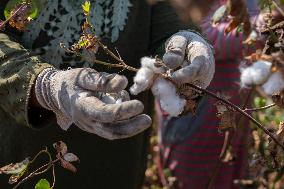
21,173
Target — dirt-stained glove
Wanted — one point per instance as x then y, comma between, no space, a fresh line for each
95,102
192,57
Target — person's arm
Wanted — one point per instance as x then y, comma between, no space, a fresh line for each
18,72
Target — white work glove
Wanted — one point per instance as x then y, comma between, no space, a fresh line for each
192,56
95,102
188,59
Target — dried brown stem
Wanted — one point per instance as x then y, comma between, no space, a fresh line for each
123,65
54,176
227,142
238,109
41,169
261,108
36,171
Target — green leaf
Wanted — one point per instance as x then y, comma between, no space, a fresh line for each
86,7
83,43
43,184
239,28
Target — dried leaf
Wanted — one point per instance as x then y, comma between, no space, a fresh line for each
21,16
60,147
15,168
188,93
219,14
237,9
258,55
70,157
228,120
225,113
278,99
68,166
275,151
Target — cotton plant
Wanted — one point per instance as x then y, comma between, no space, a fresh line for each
148,77
260,73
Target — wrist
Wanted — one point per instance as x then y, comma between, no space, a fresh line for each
42,89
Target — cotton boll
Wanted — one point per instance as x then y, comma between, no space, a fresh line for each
147,62
256,74
142,80
274,84
170,101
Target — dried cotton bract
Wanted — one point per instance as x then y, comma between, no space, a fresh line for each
256,74
164,90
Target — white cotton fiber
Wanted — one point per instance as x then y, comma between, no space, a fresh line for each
170,101
256,74
274,84
142,80
147,62
145,75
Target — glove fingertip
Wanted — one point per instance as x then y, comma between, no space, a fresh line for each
118,83
172,60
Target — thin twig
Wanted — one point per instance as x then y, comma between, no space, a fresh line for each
48,167
123,65
34,172
227,142
38,154
54,176
261,108
238,109
109,52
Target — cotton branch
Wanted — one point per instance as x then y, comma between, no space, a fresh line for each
121,64
261,108
41,169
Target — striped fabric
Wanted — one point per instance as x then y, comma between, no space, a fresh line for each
191,145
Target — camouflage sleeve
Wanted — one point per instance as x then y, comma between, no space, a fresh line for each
18,71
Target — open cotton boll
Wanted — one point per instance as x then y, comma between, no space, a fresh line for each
142,80
275,83
148,62
170,101
256,74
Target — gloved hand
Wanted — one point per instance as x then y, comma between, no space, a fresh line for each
95,102
193,58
